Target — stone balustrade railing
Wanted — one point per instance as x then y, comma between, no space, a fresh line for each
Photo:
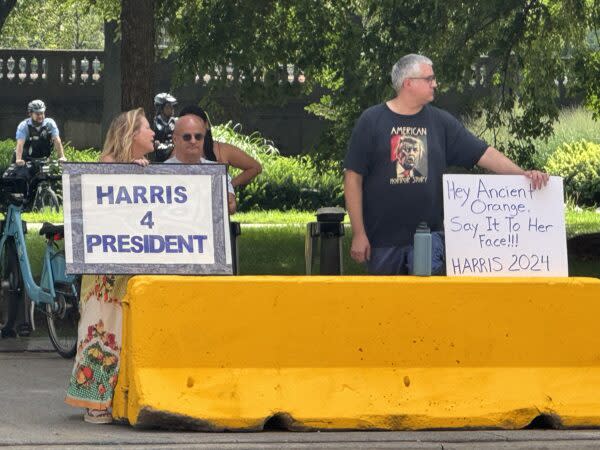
55,67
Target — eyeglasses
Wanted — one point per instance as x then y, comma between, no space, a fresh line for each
430,79
187,137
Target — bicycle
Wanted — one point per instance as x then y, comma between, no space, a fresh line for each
41,183
56,296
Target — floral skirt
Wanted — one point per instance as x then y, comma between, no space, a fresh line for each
96,369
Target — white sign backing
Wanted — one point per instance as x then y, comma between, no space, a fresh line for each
161,219
498,225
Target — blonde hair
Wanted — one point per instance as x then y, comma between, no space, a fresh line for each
119,139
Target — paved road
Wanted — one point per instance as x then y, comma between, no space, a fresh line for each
32,414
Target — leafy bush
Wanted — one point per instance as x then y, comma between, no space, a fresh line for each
285,182
579,164
85,155
573,124
293,183
7,148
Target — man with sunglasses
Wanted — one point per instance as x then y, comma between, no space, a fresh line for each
188,148
386,200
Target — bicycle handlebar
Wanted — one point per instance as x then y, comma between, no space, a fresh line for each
51,177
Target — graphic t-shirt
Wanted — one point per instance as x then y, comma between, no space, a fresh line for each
402,159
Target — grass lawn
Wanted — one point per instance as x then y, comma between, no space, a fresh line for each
272,242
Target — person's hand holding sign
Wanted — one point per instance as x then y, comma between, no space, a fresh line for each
538,179
496,162
141,162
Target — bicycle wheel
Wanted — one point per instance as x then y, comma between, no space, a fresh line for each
12,290
63,320
46,198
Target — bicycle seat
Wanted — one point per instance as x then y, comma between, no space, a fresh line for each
50,230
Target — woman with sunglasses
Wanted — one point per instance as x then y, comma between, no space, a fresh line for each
225,153
96,369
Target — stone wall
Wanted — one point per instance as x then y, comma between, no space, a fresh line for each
82,91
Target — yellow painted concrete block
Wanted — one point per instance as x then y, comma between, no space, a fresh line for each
395,353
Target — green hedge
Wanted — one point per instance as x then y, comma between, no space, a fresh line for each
285,182
293,183
579,164
7,147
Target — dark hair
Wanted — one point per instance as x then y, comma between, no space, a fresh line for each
209,152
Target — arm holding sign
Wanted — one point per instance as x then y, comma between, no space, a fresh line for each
361,248
496,162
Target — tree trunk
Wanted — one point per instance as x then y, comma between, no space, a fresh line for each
6,6
111,74
137,54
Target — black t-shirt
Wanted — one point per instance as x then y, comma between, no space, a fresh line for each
402,159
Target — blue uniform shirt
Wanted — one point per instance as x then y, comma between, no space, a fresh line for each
23,129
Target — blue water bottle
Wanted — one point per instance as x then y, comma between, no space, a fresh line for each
422,251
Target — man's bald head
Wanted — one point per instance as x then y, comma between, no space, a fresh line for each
188,139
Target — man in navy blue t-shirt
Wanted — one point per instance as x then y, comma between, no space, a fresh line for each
397,155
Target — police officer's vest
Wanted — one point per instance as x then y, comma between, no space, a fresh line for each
163,131
39,143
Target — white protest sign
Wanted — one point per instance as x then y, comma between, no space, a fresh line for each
169,218
498,225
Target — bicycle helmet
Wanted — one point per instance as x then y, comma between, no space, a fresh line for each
36,106
164,98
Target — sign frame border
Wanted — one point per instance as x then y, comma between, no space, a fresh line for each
521,274
73,219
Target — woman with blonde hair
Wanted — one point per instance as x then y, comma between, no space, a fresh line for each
96,368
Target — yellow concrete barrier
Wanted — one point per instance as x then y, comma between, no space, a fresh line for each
219,353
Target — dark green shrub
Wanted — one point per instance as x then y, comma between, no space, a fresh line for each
293,183
285,182
579,164
7,149
85,155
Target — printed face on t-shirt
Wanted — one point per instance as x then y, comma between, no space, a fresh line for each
408,151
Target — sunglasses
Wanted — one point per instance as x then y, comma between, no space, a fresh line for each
187,137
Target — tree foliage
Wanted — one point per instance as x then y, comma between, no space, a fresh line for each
6,6
346,49
53,24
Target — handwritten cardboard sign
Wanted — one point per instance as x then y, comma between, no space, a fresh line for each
498,225
160,219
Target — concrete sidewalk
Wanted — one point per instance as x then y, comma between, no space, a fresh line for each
32,414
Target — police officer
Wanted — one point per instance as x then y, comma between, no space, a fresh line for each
163,126
37,135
